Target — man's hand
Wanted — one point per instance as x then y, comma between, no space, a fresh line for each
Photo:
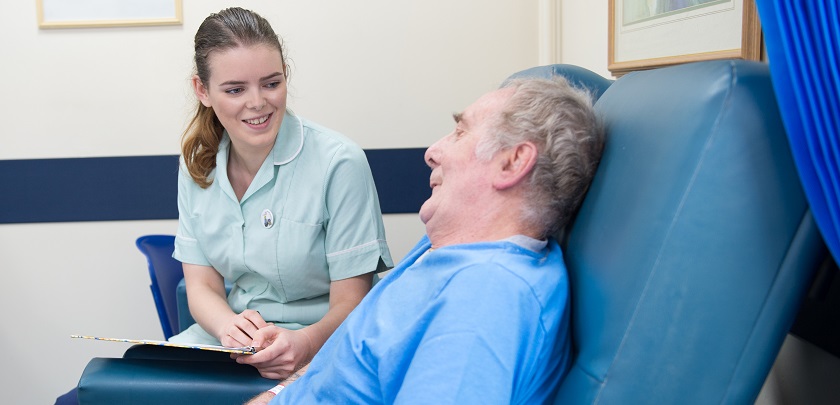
284,351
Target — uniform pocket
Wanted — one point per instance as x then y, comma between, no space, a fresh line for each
301,259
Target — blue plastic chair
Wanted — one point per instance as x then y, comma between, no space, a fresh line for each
165,273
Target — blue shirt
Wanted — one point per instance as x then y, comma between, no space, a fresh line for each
480,323
310,216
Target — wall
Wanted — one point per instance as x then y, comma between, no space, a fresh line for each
388,74
584,34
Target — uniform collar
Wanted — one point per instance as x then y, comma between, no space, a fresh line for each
289,140
286,148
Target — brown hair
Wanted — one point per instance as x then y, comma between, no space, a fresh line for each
227,29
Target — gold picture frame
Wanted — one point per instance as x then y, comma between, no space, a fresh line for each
107,13
647,34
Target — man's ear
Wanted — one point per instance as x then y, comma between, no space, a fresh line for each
514,165
200,91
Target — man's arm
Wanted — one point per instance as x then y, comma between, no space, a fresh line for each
266,397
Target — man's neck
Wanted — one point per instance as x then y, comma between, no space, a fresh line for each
486,229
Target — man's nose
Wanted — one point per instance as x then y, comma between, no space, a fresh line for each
431,155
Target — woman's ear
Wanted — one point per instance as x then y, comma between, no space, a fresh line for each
200,91
515,164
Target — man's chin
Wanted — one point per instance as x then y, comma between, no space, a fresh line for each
425,213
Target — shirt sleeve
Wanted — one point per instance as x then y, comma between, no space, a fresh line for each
355,235
187,249
479,334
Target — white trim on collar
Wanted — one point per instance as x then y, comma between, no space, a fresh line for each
300,147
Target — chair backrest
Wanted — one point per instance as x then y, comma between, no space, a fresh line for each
694,245
165,273
577,76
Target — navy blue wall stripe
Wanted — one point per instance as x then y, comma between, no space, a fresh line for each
146,187
401,177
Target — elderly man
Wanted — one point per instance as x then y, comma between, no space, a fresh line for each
478,311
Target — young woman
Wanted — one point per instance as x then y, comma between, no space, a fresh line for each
284,209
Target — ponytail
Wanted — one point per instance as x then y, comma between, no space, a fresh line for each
201,143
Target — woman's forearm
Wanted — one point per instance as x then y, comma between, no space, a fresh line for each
207,299
345,295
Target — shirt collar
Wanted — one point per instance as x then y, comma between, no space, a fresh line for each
527,242
289,140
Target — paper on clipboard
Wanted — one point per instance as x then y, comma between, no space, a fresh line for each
214,348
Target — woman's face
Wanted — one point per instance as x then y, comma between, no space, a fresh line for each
247,91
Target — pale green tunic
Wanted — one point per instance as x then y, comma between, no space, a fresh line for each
325,224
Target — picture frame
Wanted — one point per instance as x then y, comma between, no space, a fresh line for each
107,13
647,34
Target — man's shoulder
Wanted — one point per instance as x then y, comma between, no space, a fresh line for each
510,261
512,274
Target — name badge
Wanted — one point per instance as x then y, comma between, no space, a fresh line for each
267,218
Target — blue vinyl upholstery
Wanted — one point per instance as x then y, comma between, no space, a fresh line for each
162,379
577,76
687,260
694,245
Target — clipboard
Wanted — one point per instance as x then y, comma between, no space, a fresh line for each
213,348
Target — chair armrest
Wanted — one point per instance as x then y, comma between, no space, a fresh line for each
151,381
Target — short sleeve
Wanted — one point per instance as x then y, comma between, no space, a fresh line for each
355,235
187,249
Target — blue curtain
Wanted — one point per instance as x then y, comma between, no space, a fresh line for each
801,37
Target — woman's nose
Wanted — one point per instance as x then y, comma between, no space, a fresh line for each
257,101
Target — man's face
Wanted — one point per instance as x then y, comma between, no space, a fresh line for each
459,179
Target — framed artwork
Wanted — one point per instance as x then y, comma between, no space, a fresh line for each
107,13
646,34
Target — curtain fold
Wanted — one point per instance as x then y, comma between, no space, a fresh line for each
802,38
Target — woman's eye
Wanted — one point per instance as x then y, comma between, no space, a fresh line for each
273,85
235,90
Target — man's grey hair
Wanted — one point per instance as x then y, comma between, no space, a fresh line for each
561,122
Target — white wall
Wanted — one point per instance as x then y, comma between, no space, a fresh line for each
584,34
388,74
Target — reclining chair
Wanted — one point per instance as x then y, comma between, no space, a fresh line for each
688,259
695,244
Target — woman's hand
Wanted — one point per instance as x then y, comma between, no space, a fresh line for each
241,328
284,351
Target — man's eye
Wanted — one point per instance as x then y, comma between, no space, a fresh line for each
235,90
